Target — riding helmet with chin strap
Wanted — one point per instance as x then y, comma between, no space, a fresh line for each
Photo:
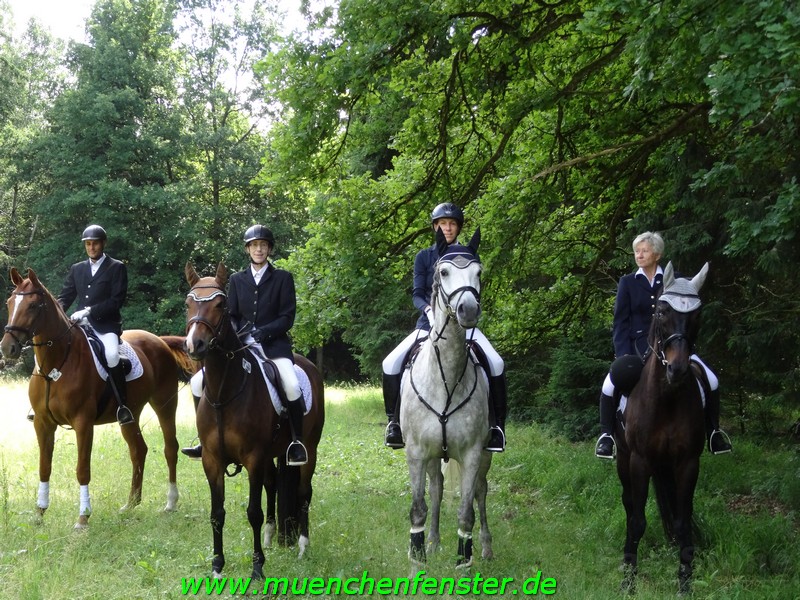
448,210
94,232
258,232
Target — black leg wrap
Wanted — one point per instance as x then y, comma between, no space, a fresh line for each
417,548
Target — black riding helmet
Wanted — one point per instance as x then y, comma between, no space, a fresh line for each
448,210
94,232
258,232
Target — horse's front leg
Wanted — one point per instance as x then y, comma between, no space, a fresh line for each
137,449
215,474
84,434
481,491
466,510
435,491
255,515
635,487
45,436
686,484
419,510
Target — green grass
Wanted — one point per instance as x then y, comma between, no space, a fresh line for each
553,508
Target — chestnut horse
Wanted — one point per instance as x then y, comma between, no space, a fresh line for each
238,425
664,428
66,389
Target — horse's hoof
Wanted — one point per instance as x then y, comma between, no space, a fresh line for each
83,523
302,543
487,554
462,564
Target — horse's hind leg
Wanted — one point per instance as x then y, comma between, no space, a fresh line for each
304,492
165,411
137,448
435,491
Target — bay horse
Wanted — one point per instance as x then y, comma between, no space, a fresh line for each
238,425
444,406
65,389
663,428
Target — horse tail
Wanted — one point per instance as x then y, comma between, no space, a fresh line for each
288,509
185,366
666,499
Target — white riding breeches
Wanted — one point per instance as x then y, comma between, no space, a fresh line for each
713,382
393,363
291,385
110,343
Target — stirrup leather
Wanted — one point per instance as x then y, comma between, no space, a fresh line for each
613,447
725,439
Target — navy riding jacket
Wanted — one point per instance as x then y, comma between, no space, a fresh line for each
634,308
104,294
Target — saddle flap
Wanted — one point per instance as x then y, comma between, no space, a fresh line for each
97,348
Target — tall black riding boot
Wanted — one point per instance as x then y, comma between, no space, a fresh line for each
718,440
498,405
194,452
606,447
393,436
296,454
117,376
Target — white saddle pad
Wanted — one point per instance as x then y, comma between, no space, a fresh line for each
302,378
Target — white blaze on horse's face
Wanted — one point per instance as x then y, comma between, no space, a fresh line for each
460,289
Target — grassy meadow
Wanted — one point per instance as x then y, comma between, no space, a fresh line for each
553,509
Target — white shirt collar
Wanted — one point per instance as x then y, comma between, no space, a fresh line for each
94,265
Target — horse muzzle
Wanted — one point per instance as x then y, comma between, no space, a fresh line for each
468,313
10,346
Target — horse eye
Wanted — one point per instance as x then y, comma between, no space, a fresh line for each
444,272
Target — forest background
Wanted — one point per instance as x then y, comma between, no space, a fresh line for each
561,128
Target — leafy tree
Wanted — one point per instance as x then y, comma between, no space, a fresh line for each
563,129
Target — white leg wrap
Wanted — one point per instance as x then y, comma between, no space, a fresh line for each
417,529
43,497
86,502
269,533
172,497
302,543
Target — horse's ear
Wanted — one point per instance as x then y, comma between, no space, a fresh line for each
34,279
475,241
441,243
669,276
191,275
699,279
222,274
16,278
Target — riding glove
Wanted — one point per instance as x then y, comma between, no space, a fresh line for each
80,316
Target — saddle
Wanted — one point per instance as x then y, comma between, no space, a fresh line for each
97,348
475,352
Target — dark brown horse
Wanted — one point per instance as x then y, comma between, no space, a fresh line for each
66,389
664,428
238,425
